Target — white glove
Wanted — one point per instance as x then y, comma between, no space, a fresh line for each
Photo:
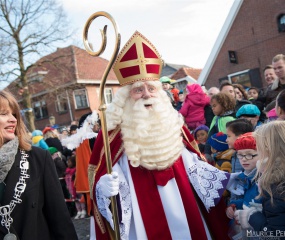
109,184
242,217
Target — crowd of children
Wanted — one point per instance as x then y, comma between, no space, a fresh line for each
247,141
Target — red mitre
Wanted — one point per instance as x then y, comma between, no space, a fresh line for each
138,61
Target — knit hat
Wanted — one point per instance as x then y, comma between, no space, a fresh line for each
201,127
165,80
218,142
248,110
52,150
245,141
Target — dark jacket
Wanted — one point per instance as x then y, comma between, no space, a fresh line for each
42,214
272,217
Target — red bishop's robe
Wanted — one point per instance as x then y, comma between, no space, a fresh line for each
146,182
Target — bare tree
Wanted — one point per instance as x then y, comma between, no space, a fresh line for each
28,30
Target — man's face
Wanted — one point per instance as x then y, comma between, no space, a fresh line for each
165,86
229,90
269,76
279,69
252,93
144,91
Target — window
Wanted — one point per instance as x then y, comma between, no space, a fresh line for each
40,109
80,97
281,23
37,76
61,103
242,78
108,94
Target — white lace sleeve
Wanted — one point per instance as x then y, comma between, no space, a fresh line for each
206,179
103,204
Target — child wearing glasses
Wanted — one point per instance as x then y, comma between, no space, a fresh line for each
270,141
245,145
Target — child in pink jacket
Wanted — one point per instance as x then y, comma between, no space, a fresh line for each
193,106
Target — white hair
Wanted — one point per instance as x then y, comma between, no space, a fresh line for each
152,137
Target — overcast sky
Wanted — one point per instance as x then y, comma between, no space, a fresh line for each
183,31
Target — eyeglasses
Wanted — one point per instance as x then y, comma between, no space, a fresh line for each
247,156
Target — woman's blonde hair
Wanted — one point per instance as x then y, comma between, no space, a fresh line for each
270,142
7,100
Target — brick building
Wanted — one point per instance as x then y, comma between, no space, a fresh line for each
253,33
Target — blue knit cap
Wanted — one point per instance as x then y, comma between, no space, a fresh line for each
218,142
248,110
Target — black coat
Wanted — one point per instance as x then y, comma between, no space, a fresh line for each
42,214
272,217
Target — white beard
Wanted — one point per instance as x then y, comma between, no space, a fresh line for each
152,137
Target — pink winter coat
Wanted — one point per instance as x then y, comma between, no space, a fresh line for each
193,106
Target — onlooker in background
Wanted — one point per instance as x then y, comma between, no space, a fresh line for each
271,115
208,112
253,93
269,75
212,91
254,98
223,106
228,88
278,63
270,142
70,178
234,130
174,91
251,113
38,139
193,106
221,154
201,135
280,105
240,92
73,129
245,146
32,203
166,87
52,139
181,97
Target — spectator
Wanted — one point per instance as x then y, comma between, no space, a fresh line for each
52,139
251,113
208,112
212,91
32,203
270,144
240,92
181,97
269,76
278,63
280,105
245,146
72,129
167,88
223,107
201,135
221,154
193,106
234,130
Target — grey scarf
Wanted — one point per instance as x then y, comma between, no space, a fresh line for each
7,157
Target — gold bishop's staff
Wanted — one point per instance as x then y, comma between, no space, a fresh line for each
102,106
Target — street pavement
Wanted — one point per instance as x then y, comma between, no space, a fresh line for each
82,227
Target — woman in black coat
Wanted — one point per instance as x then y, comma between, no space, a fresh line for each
32,203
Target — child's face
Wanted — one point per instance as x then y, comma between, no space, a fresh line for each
231,138
252,93
202,136
216,107
247,164
181,97
69,163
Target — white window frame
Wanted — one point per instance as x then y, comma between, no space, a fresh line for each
74,98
